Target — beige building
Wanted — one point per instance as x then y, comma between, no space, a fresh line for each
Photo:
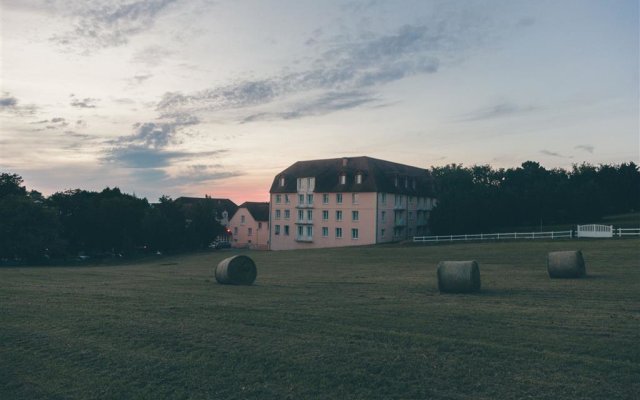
348,202
250,226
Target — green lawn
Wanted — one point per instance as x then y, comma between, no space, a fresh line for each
358,323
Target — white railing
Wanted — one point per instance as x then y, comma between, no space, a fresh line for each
620,232
595,231
495,236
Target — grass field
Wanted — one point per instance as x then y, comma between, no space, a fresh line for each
355,323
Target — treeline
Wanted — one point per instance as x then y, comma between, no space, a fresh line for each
482,199
109,223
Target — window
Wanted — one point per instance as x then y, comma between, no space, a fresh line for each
277,229
235,231
355,215
325,215
310,215
410,214
338,233
325,198
338,215
300,231
310,231
242,219
259,225
249,231
286,230
359,179
383,198
339,198
406,183
325,231
300,199
287,214
343,179
309,199
277,214
354,198
286,198
282,181
354,233
395,182
278,199
381,233
300,215
413,184
383,215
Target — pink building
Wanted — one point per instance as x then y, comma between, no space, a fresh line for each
250,226
348,202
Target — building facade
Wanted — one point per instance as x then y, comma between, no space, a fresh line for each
249,226
348,202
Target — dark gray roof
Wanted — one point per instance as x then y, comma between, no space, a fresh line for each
219,204
258,210
377,176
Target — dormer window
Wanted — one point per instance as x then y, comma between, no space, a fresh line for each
406,183
282,181
395,182
343,179
359,178
413,184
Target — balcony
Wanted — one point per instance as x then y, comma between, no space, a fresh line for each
400,222
304,205
304,239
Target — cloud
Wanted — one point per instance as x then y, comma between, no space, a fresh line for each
53,123
99,25
553,154
135,156
146,147
141,78
8,102
349,66
325,104
10,105
151,56
87,102
500,110
157,135
585,147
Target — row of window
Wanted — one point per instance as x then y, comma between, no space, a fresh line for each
355,215
399,200
306,232
307,199
306,183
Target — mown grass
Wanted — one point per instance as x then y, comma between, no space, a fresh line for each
354,323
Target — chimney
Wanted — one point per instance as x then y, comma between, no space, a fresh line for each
345,161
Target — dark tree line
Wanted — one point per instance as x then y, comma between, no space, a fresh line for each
482,199
100,224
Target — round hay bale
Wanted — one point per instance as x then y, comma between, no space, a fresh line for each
566,264
236,270
458,276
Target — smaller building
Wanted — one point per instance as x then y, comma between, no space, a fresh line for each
221,209
250,226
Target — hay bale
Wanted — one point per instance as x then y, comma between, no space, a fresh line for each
458,276
236,270
566,264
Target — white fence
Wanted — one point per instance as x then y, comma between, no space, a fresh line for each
495,236
595,231
620,232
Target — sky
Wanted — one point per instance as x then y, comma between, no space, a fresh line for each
203,97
